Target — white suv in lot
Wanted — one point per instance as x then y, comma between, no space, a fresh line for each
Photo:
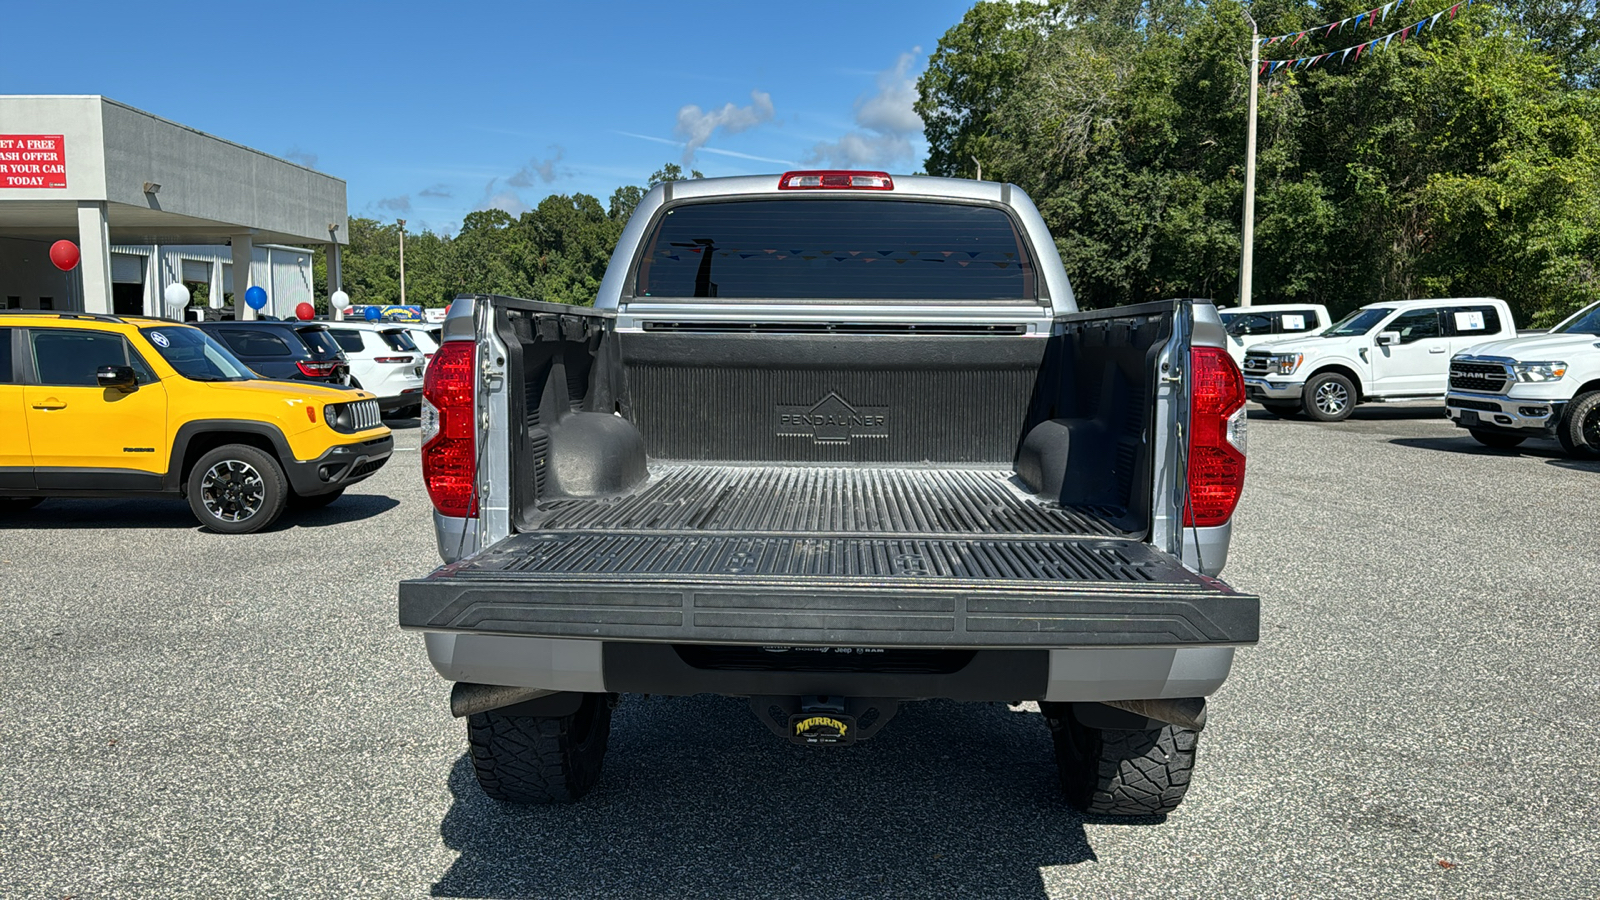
1252,325
1382,351
384,360
1544,385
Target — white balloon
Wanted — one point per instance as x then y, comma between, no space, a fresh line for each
176,297
340,300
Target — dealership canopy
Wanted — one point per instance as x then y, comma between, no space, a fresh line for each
97,172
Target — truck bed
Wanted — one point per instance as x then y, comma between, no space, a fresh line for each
891,556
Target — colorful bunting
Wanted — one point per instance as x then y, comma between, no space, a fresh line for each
1378,43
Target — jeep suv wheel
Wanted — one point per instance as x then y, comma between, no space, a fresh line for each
237,489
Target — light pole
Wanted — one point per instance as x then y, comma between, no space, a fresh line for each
1249,236
402,224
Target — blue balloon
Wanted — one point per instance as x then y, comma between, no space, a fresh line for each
255,297
373,314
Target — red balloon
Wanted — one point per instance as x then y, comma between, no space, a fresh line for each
64,254
306,312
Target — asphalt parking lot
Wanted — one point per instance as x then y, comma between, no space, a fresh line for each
189,714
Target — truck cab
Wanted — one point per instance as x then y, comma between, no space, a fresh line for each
1254,325
1542,385
1381,352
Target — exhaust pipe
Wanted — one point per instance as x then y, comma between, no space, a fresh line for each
1184,712
468,699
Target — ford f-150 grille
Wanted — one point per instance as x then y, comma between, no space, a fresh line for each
1488,378
1255,365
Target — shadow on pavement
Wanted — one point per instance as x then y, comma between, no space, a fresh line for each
1579,465
162,513
698,799
1467,445
349,508
1370,412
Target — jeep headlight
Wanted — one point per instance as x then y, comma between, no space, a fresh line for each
1539,371
1284,363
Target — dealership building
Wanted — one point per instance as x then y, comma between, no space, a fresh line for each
151,203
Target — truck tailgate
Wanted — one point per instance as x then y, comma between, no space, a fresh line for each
856,556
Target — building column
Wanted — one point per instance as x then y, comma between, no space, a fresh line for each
335,280
153,301
244,252
94,252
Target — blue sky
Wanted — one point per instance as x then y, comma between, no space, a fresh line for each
432,110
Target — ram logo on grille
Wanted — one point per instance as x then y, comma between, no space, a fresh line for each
1466,376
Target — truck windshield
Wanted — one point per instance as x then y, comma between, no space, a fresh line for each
195,355
1359,322
832,249
1585,322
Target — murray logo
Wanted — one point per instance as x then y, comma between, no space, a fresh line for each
831,420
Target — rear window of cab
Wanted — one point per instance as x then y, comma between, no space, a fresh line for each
836,249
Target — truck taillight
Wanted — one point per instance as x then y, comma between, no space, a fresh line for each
835,180
1216,437
449,431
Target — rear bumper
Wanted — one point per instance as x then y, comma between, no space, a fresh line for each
1061,675
341,466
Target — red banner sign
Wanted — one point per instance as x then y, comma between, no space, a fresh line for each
33,161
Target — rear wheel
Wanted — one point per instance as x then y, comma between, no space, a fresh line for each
1283,410
237,489
1579,431
540,759
1329,397
1114,772
1497,439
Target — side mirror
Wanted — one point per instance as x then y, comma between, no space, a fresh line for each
1388,338
119,377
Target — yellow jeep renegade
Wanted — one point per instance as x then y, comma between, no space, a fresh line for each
111,406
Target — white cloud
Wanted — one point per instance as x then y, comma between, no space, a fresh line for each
438,190
886,123
400,204
295,154
543,169
696,126
495,197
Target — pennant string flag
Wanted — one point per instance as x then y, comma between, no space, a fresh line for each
1378,43
1370,18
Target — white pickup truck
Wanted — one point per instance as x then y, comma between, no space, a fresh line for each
1380,352
1249,326
1544,385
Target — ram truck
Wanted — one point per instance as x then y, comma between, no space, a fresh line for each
1540,385
834,442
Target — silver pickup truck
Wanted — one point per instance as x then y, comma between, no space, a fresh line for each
833,442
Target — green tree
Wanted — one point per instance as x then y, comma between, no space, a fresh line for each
1463,162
